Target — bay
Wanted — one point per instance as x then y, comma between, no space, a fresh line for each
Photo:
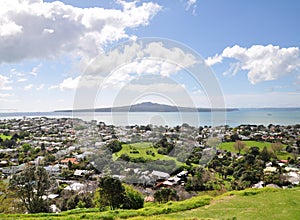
264,116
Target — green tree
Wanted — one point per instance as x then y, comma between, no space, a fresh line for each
8,200
265,154
165,195
26,147
30,186
115,146
133,199
112,193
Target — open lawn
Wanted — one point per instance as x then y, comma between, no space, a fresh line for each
144,150
229,147
266,203
5,137
250,204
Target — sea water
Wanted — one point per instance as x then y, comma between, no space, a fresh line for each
280,116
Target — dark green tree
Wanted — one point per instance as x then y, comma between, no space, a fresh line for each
112,193
133,199
265,154
165,195
30,186
115,146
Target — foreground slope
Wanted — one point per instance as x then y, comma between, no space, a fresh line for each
250,204
267,203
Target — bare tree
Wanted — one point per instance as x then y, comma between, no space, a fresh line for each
276,147
239,146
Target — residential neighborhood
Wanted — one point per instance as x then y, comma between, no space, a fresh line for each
76,153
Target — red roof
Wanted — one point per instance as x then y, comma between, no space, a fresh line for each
71,159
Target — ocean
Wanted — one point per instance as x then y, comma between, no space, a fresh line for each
263,116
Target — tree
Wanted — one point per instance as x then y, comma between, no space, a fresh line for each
115,146
133,199
239,145
234,137
265,154
163,146
26,147
276,147
112,193
31,185
165,195
8,200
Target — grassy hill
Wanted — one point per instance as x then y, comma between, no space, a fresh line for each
5,137
249,204
229,147
266,203
144,150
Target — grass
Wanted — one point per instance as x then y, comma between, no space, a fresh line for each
266,203
229,147
150,210
256,204
5,137
140,149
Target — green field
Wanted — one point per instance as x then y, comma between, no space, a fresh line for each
266,203
5,137
249,204
229,147
142,148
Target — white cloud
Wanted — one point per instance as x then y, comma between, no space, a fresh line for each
210,61
37,29
22,80
17,73
120,65
5,95
40,87
28,87
163,88
263,63
191,4
69,83
35,70
4,83
10,29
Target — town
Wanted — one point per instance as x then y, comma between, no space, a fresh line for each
182,159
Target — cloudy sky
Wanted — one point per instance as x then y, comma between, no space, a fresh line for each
52,50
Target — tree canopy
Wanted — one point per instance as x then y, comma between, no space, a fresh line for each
31,185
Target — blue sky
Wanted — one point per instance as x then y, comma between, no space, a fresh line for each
252,48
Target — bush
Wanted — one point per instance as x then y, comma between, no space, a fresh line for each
133,198
115,146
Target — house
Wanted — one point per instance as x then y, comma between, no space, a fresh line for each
293,177
182,174
80,172
55,169
258,185
3,163
75,187
159,175
149,199
270,170
69,159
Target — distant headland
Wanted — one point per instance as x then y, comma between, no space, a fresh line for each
151,107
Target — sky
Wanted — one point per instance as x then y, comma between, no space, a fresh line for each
100,53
